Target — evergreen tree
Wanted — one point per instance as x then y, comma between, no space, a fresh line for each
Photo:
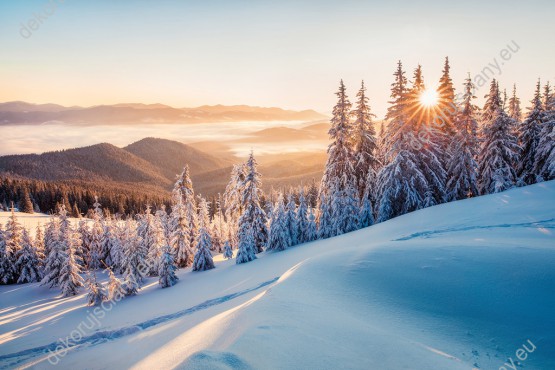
167,269
445,114
28,262
291,219
462,167
203,258
228,253
55,254
233,200
184,223
97,293
514,107
252,232
544,161
84,235
529,135
96,235
26,205
69,278
365,145
12,245
499,148
115,286
151,237
280,236
338,186
302,218
135,266
311,231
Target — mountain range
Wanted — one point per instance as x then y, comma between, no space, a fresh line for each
154,163
18,112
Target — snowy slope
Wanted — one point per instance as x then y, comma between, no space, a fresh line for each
457,286
31,221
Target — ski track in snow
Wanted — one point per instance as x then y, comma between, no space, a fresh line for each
109,335
545,224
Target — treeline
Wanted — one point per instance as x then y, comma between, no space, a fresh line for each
77,196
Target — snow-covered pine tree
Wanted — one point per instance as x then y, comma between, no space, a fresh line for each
366,213
115,286
54,254
151,237
462,167
96,235
253,220
302,218
69,278
233,200
97,293
529,135
312,230
108,240
218,227
13,240
291,218
135,266
26,205
39,247
515,112
165,223
544,164
167,268
339,179
280,235
28,262
203,258
499,149
228,253
401,185
365,145
181,240
84,234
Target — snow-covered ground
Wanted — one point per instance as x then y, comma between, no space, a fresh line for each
30,220
458,286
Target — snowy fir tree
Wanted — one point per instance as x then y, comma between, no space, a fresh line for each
401,185
233,198
499,149
228,253
115,286
311,231
252,232
544,161
26,205
462,167
96,292
167,268
302,218
291,221
183,220
280,233
54,254
69,278
28,261
96,234
134,263
218,226
203,258
84,235
529,135
338,200
9,249
514,110
151,238
365,145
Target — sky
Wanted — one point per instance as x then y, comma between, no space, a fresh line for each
286,53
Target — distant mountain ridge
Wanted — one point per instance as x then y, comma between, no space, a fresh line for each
136,113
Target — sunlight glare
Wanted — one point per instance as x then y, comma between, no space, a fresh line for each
429,98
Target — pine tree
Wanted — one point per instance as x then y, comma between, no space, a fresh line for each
280,236
514,107
69,278
167,269
97,293
134,264
84,235
339,179
151,237
302,218
10,249
96,235
499,148
413,177
462,167
28,262
291,219
544,163
252,231
228,253
115,286
365,145
444,117
529,135
26,205
233,200
203,258
311,231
